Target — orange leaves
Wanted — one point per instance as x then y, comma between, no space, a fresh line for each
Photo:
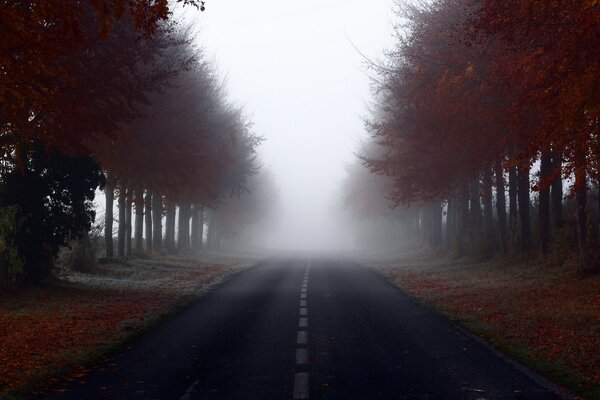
36,37
555,314
48,329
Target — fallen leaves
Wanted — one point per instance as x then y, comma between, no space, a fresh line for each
59,327
552,311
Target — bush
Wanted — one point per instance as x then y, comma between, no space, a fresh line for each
45,202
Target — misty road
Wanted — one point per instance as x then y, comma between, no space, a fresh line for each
293,329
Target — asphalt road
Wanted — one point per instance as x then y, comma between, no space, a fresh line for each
299,329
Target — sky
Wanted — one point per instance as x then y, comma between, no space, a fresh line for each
292,66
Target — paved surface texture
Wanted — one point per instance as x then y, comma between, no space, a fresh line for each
307,329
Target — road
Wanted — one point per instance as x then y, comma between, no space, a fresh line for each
299,329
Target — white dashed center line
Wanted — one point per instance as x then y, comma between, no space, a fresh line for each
302,337
301,386
301,356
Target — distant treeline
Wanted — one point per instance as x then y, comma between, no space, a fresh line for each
110,94
486,121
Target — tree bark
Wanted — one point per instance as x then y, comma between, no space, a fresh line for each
436,224
109,194
148,220
170,228
556,193
581,198
122,223
450,221
197,227
212,229
524,199
139,219
475,208
128,225
544,208
156,223
183,232
488,213
513,212
462,220
501,207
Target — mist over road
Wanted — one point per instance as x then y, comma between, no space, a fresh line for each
299,328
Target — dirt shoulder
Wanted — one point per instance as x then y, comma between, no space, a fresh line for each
52,332
546,317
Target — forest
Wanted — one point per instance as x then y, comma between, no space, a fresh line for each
147,248
116,96
484,130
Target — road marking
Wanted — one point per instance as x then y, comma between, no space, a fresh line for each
189,392
301,356
301,385
302,337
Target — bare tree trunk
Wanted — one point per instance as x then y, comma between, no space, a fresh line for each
488,213
170,227
109,193
544,209
128,226
197,227
183,233
501,207
212,230
156,223
139,219
524,200
436,224
450,221
557,194
122,223
148,220
581,197
513,212
462,220
475,209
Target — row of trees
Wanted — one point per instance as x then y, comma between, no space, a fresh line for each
480,98
109,94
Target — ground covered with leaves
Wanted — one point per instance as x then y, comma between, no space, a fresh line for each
51,332
546,316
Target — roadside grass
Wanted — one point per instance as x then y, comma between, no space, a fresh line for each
545,316
52,334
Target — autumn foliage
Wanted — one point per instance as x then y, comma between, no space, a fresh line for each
125,85
481,98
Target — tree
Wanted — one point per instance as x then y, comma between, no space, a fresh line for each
49,197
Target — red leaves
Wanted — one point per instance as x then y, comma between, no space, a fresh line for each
476,83
46,329
555,314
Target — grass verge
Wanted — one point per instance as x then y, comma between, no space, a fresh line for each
546,317
52,334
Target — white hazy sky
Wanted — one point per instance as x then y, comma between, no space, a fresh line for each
291,64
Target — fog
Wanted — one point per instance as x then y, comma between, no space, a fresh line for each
293,67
